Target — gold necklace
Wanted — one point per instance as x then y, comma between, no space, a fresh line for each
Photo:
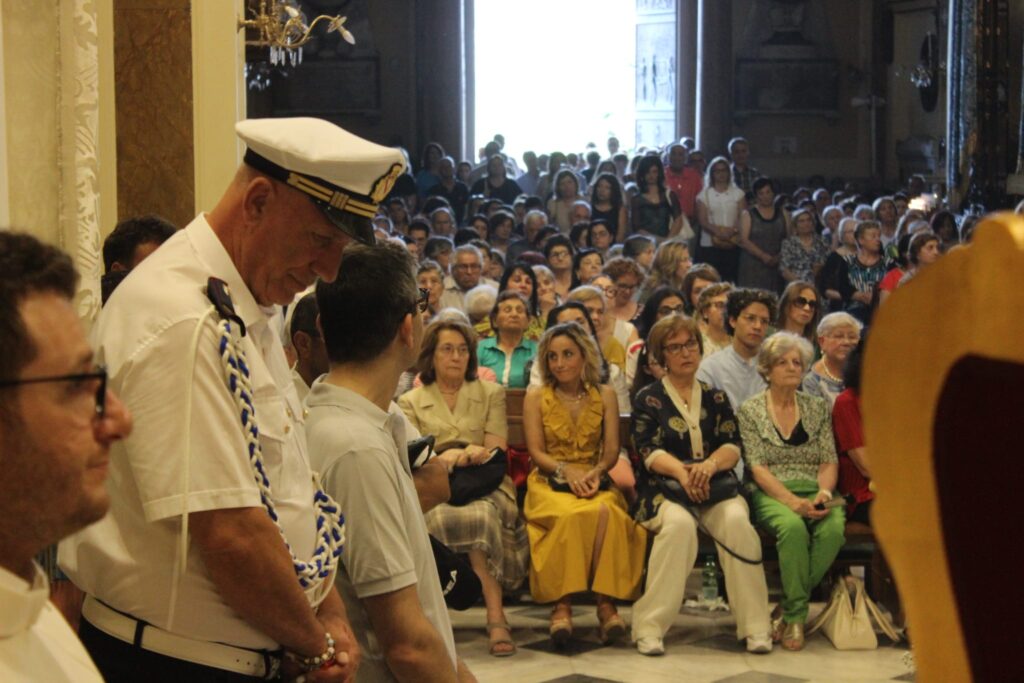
824,368
579,396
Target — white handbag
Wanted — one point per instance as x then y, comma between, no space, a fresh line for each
847,619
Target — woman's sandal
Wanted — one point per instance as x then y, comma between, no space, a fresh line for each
494,644
777,624
561,628
612,628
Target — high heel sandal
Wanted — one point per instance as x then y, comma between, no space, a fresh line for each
612,628
561,628
793,637
501,641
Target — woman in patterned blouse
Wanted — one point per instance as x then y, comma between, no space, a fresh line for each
684,430
791,456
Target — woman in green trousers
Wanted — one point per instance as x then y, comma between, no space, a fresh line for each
790,455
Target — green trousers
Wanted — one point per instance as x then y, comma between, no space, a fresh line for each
806,547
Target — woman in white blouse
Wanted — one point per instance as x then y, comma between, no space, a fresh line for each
719,207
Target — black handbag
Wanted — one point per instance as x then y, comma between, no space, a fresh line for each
476,481
460,585
724,485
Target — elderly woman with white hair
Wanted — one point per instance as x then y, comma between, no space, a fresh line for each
838,335
790,455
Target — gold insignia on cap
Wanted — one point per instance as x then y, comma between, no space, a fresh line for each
382,186
339,200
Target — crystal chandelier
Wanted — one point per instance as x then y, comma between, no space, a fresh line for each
281,26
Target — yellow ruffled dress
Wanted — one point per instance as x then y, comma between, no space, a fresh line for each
561,527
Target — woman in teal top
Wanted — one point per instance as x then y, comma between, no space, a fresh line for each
508,351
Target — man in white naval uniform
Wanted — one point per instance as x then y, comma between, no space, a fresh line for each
198,572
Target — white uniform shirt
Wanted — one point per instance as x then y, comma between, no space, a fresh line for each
361,452
36,643
723,208
183,457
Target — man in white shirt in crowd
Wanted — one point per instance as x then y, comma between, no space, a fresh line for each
749,312
467,269
310,355
357,441
216,561
57,423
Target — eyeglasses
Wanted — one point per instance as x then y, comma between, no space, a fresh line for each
100,373
624,287
691,346
423,301
751,318
450,350
559,253
804,302
669,310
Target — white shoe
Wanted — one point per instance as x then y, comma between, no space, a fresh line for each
759,643
652,647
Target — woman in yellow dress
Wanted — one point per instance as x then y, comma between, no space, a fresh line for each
581,535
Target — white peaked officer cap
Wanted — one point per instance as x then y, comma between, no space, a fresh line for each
346,176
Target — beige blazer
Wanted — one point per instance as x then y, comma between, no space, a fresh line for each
479,410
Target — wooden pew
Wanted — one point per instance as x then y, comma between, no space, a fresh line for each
861,548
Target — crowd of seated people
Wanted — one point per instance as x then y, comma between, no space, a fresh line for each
722,315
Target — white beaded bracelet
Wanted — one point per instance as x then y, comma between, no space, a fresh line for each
317,661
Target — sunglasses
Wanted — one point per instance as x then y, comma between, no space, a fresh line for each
804,302
423,301
100,373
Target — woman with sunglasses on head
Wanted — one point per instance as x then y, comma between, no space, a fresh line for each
581,536
838,335
799,310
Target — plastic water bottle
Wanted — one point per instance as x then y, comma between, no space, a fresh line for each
709,580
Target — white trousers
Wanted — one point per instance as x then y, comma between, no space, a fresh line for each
672,559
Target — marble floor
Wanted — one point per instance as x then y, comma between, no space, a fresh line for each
701,648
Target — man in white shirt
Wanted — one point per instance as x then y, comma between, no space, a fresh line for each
467,269
734,369
310,354
357,441
217,558
57,423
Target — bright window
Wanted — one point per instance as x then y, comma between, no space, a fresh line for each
555,74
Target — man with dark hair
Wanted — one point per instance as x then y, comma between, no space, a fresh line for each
742,172
685,182
357,441
57,423
310,354
451,188
132,240
733,370
439,249
419,231
216,561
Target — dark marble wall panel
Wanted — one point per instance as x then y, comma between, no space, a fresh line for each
153,81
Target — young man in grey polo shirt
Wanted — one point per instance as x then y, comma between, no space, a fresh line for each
371,325
733,370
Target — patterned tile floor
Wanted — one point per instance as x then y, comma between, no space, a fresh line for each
700,648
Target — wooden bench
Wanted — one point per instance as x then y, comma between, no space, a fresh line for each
860,549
